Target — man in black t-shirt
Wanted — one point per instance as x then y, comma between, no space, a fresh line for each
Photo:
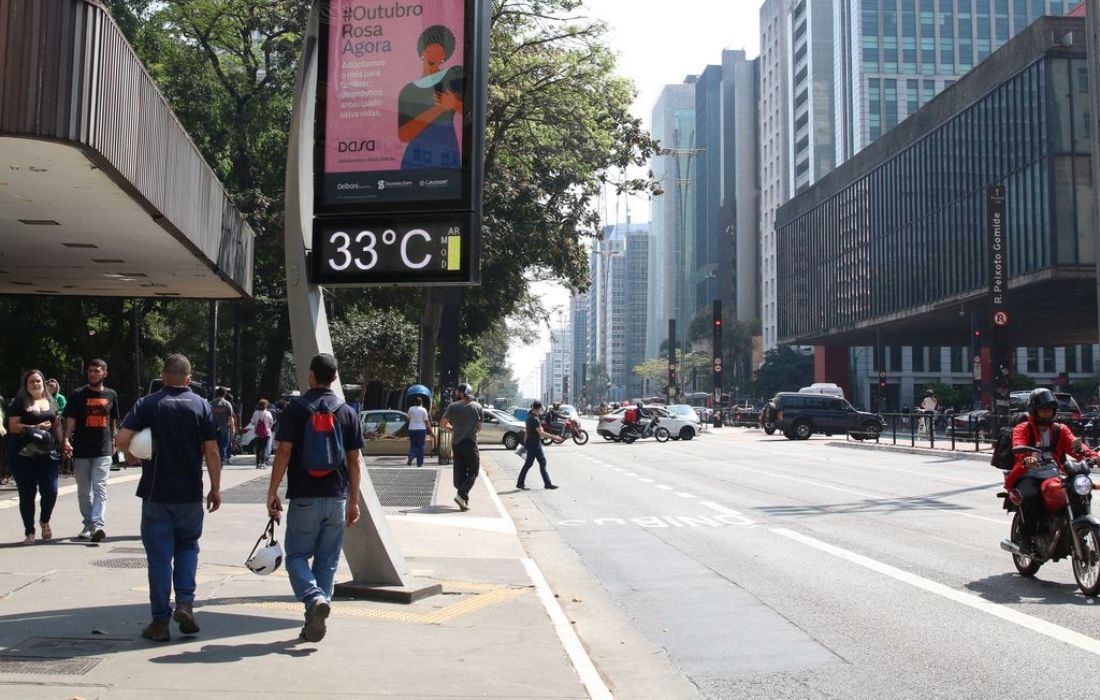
322,505
90,419
182,426
532,442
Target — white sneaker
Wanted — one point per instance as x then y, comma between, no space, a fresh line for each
86,533
462,504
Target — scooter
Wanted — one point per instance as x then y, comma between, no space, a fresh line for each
631,431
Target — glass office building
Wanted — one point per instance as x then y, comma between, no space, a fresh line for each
899,232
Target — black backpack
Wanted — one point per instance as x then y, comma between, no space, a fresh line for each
1003,456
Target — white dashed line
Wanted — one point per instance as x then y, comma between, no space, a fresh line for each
664,488
646,480
630,473
681,494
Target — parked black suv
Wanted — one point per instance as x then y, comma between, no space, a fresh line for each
801,415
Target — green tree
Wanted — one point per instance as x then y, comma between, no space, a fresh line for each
558,125
784,369
376,347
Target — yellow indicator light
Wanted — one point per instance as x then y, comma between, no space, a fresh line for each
454,252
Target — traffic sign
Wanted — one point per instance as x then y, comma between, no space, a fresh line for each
1000,318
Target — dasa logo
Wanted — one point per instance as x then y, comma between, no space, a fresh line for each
355,146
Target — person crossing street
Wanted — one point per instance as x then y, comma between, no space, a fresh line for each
532,442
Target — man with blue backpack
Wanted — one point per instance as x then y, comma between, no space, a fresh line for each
318,447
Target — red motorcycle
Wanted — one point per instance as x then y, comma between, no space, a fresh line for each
567,428
1067,529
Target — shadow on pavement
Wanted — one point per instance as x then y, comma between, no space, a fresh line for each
1011,587
227,653
877,505
125,622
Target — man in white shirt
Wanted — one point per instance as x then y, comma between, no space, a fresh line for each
929,405
418,431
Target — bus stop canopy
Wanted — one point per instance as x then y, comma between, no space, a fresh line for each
102,192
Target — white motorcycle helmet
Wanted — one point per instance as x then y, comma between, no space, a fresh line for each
141,444
267,553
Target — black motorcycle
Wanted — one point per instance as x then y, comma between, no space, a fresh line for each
1068,527
632,431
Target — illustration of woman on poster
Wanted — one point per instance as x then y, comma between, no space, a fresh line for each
427,106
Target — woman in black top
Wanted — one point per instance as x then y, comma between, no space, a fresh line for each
35,433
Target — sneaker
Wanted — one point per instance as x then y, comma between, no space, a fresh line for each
98,535
185,616
314,631
157,632
551,486
521,487
463,505
85,534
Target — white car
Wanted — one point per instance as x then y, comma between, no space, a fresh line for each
682,422
680,425
502,427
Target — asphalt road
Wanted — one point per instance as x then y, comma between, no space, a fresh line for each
762,567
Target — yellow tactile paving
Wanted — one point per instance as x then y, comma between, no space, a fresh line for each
491,595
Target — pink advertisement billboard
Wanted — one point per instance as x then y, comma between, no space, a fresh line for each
393,93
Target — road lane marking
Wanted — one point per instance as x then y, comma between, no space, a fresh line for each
590,678
729,513
630,473
681,494
664,487
1047,629
646,480
731,519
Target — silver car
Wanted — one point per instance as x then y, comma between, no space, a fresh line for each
502,427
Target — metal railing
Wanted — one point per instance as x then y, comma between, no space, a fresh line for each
941,431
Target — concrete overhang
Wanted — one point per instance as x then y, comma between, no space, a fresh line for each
1052,307
102,192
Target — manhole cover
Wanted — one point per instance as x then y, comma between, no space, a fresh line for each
402,488
122,563
127,550
46,666
65,646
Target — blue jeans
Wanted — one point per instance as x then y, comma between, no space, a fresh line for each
314,528
36,475
170,533
223,446
534,451
416,446
91,488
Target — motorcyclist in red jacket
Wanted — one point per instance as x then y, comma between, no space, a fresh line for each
1056,439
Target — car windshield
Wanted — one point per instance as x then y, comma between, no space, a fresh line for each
568,410
1067,404
507,417
682,410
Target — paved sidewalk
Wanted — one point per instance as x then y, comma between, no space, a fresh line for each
71,612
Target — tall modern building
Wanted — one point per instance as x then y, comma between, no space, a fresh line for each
635,308
797,136
673,213
774,137
701,281
618,262
578,325
556,367
739,245
892,57
826,95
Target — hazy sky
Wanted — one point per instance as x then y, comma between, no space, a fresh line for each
658,44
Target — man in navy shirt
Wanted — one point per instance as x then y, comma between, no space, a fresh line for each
321,504
183,431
